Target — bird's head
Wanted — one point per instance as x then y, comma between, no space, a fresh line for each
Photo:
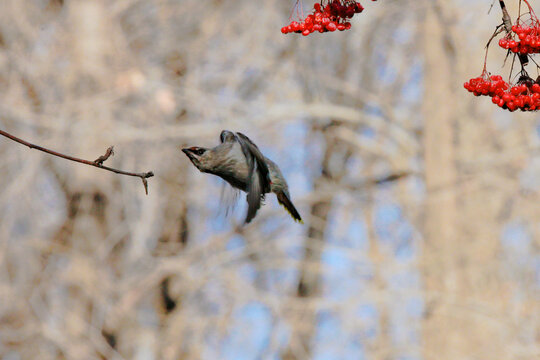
200,157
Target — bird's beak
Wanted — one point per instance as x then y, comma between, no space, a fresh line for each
188,152
191,156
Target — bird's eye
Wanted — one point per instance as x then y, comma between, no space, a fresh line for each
199,152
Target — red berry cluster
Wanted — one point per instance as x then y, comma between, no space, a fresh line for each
486,85
332,16
525,96
527,42
523,39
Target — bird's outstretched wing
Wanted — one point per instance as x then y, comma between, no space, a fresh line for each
259,175
227,136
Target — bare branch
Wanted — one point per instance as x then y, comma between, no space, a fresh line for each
96,163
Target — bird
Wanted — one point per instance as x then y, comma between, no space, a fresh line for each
239,162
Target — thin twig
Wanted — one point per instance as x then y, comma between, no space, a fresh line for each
100,160
96,163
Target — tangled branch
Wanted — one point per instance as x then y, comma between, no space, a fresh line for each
96,163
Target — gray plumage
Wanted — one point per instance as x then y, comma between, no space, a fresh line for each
238,161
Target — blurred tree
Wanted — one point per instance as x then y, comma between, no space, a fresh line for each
440,331
440,264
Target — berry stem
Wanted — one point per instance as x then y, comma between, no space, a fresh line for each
530,9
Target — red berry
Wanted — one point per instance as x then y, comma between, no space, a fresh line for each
331,26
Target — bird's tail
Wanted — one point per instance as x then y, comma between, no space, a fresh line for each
284,200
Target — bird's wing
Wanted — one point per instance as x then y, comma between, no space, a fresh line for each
249,146
227,136
228,199
259,176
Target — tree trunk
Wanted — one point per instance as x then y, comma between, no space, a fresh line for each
441,331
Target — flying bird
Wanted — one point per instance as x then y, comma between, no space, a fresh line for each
238,161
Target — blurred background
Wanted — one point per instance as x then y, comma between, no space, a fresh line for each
420,201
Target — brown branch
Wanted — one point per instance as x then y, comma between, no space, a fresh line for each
96,163
391,177
507,21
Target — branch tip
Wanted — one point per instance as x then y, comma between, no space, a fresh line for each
145,184
108,153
